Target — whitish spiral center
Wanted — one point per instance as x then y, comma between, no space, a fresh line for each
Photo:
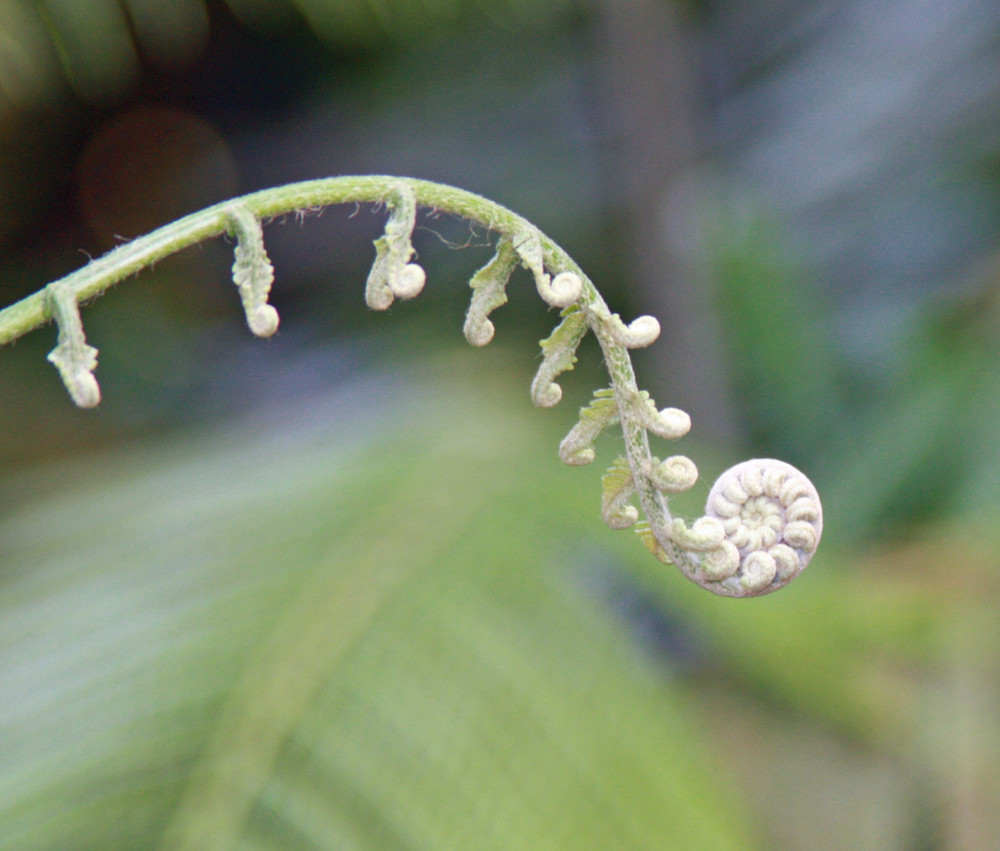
773,520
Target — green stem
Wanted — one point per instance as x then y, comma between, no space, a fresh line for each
637,451
99,275
96,277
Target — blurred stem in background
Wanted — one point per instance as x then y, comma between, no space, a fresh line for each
647,79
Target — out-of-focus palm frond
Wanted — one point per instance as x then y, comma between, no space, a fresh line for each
373,622
352,630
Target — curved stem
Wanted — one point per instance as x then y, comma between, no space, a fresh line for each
99,275
125,260
394,276
637,450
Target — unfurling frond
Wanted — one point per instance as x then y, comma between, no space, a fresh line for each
763,519
75,360
558,356
577,447
253,273
393,275
489,291
618,487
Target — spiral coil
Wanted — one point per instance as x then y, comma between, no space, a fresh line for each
773,520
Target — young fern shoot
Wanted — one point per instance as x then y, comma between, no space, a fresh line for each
763,519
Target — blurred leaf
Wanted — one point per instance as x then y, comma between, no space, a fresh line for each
928,448
371,622
350,629
95,45
839,647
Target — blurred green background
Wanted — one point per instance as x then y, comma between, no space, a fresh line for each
334,590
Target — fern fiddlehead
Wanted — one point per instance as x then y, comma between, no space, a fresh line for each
763,518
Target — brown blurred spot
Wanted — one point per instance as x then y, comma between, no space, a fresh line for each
150,166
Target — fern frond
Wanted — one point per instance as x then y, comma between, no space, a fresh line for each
72,356
558,356
763,519
393,275
618,485
577,447
253,273
489,291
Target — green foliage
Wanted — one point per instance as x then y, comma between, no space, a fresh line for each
378,627
94,45
782,359
364,631
558,356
